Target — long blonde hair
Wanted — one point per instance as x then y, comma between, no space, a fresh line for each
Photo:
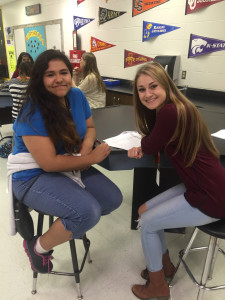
90,67
198,133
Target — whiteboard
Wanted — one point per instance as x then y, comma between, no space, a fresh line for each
53,36
20,44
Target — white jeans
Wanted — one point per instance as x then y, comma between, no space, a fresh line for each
167,210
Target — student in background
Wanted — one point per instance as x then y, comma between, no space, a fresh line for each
18,86
88,79
169,122
53,156
24,56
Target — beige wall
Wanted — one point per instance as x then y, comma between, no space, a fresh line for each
206,72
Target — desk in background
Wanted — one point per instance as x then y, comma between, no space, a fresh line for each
5,108
111,121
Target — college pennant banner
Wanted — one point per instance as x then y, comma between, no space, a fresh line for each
151,29
140,6
80,1
193,5
106,15
132,59
97,45
200,45
80,22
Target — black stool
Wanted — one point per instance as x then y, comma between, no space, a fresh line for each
23,221
216,232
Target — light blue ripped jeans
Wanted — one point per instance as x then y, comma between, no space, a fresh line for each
167,210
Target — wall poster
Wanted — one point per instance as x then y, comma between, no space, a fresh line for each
35,40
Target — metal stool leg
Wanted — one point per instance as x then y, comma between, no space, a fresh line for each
207,266
75,268
39,233
184,253
86,243
216,251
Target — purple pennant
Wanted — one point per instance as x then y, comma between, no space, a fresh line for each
200,45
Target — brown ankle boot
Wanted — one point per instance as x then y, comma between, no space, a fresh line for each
157,287
168,267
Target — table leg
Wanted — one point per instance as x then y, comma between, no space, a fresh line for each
145,188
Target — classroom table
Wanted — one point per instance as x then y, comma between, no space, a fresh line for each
5,108
111,121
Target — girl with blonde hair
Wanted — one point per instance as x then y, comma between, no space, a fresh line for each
88,79
169,122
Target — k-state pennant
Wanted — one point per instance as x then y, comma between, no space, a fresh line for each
200,45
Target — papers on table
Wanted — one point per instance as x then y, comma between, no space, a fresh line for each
220,134
126,140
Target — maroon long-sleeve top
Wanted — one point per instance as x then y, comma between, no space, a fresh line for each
204,180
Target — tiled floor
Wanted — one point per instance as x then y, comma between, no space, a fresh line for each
115,250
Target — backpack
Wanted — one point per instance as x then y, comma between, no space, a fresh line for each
6,148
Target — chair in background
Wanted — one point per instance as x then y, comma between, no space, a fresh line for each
24,226
216,232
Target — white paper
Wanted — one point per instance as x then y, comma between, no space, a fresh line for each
158,177
220,134
126,140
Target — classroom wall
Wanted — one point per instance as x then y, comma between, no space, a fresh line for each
204,72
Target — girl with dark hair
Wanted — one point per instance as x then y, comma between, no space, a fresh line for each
18,86
169,122
52,157
88,79
24,56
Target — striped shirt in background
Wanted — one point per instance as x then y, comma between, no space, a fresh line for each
17,89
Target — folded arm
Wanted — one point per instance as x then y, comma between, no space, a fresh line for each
44,153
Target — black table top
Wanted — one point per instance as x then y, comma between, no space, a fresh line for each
111,121
2,94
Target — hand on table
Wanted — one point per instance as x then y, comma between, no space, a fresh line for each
135,152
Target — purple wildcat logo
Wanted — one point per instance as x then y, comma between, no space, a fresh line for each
200,45
197,46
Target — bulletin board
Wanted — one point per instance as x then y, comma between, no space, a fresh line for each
52,33
4,71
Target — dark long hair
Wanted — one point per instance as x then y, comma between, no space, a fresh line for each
57,118
20,57
198,131
25,70
91,68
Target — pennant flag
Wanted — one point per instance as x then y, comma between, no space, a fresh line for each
132,59
80,1
140,6
200,45
80,22
106,15
193,5
151,29
97,45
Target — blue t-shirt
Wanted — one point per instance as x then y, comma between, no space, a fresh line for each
80,110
